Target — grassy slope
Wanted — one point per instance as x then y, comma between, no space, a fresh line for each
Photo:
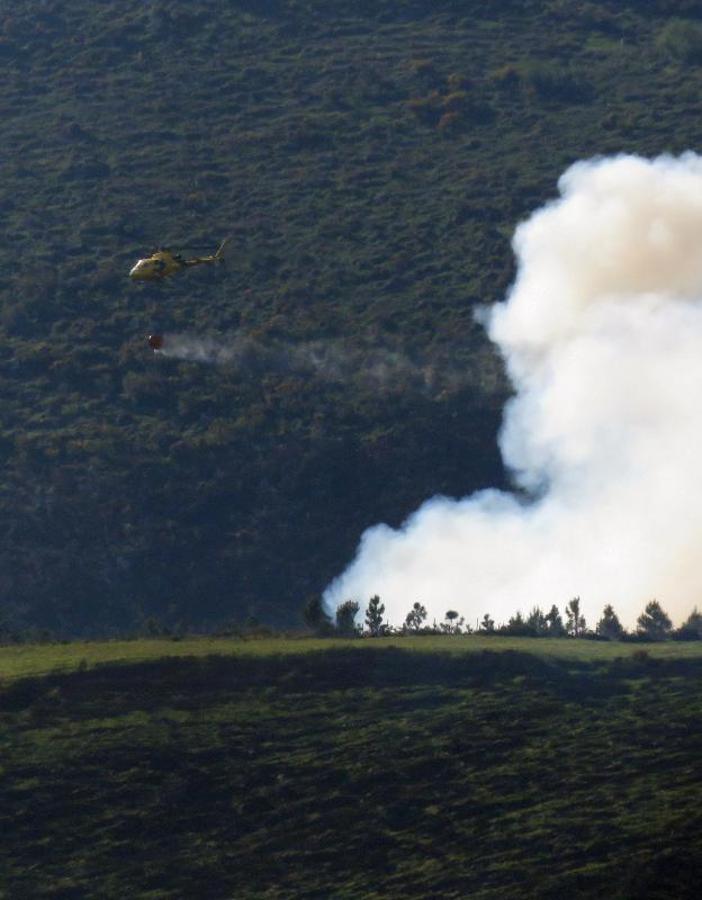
370,162
39,660
364,771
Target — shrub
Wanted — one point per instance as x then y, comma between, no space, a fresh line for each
449,122
426,109
455,101
553,82
681,41
425,70
457,82
507,78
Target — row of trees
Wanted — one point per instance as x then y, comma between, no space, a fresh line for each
653,624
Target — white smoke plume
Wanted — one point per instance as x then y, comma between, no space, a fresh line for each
601,335
330,360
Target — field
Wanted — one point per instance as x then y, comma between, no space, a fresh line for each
418,767
31,660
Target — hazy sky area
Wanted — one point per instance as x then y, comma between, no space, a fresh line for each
602,337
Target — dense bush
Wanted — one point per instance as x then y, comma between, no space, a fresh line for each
682,41
551,81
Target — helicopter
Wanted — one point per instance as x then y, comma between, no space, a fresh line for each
163,262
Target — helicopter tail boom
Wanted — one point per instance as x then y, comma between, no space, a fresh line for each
219,255
215,257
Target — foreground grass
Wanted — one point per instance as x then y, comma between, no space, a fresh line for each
373,769
33,660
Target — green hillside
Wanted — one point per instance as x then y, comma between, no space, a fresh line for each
373,770
370,161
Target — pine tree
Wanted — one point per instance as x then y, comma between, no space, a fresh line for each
451,614
516,626
316,617
451,626
374,616
536,622
415,617
691,628
654,623
609,625
346,618
575,622
487,625
554,623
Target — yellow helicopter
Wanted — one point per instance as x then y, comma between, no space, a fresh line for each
163,263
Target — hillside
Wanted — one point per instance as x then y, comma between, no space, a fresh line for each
370,166
276,770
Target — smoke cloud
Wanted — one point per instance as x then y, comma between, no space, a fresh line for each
601,335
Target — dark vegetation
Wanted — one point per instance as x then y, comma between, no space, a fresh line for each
358,773
653,625
370,161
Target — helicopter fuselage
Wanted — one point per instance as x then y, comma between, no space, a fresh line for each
163,263
159,265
